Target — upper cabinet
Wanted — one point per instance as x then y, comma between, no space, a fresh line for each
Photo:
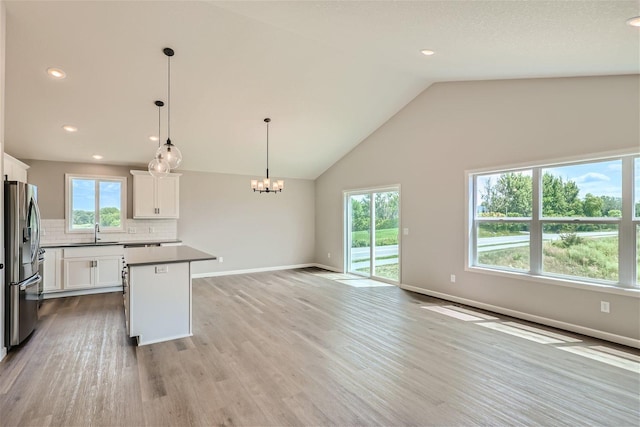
155,197
14,169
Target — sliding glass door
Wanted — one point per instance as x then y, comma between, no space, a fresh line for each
372,233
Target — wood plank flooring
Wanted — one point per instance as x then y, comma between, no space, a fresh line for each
293,348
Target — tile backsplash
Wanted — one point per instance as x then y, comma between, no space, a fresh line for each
53,232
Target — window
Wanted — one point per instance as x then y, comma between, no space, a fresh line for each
95,200
578,221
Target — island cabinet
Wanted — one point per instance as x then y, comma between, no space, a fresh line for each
157,198
157,292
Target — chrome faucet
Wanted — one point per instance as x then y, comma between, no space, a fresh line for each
96,230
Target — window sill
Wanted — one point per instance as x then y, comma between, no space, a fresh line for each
556,281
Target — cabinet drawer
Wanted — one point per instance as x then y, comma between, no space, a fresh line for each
93,251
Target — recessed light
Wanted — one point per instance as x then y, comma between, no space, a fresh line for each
70,128
427,52
634,22
154,138
97,157
56,73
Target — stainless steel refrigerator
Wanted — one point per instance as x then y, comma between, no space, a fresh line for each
22,244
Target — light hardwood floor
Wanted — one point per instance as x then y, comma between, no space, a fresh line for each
295,348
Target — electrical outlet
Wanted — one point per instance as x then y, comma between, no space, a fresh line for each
605,307
328,254
132,230
453,278
162,269
152,229
220,259
405,231
43,232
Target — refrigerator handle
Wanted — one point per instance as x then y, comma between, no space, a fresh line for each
30,282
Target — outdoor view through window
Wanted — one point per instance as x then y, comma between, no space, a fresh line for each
572,229
372,244
95,201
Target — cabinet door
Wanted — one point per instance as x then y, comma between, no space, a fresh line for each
78,273
144,203
52,269
108,271
167,197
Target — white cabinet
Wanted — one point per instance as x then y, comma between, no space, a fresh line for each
52,281
14,169
158,302
155,197
92,267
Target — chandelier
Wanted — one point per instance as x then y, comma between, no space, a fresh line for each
266,185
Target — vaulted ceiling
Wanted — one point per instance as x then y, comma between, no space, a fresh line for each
328,73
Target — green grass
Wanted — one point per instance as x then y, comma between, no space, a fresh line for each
389,271
595,258
384,237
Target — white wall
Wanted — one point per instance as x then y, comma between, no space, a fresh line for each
453,127
220,214
3,27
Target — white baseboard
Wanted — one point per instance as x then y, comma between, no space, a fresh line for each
250,270
63,294
328,267
631,342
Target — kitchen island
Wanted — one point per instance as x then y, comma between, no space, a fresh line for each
157,292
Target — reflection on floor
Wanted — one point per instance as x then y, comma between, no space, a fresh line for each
611,356
352,280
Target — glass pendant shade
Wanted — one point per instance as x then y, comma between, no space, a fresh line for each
159,167
171,154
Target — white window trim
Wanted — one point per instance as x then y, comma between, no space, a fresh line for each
626,226
123,202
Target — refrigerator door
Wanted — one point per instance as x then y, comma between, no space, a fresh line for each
23,314
21,241
22,231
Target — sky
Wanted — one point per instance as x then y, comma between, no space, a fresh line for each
598,178
84,193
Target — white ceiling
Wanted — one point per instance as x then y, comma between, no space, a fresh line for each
328,73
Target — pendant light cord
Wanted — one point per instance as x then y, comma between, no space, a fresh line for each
159,117
169,99
267,149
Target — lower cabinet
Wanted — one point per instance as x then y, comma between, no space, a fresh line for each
82,268
52,280
80,273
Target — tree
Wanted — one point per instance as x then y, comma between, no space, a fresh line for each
386,210
110,217
609,204
554,195
510,196
593,205
360,214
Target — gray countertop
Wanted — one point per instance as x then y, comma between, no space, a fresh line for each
101,243
164,255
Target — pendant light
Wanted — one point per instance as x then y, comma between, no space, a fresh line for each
169,151
159,167
266,185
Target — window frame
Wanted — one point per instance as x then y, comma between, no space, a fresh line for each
98,179
627,225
